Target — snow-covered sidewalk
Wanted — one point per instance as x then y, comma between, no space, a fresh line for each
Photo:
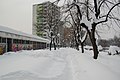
62,64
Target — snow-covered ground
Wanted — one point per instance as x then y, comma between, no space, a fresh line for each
62,64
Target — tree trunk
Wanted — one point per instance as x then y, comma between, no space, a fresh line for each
93,41
92,38
82,47
95,49
50,45
54,44
77,46
76,42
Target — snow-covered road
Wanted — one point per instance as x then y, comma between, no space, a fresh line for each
62,64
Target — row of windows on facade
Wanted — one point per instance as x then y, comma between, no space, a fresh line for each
3,40
47,6
47,14
39,11
47,10
42,21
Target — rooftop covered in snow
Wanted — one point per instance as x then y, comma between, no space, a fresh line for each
11,33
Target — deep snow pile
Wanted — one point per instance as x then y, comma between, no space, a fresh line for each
62,64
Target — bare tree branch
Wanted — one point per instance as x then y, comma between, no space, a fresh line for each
72,18
108,14
87,11
96,8
111,2
98,13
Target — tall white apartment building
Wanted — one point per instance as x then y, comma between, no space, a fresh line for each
45,16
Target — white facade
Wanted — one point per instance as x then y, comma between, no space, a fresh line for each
47,13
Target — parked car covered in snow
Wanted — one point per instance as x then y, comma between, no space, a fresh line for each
100,48
113,50
87,47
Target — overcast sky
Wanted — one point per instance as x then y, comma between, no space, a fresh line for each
17,14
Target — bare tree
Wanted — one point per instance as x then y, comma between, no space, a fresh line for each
95,13
73,18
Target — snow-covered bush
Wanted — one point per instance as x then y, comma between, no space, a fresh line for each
113,50
88,47
100,48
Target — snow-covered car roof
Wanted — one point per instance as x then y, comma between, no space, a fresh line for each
113,49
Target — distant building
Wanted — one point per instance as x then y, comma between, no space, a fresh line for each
45,16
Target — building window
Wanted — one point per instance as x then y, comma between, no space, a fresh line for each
3,40
0,39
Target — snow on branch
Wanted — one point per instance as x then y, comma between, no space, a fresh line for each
84,37
108,14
